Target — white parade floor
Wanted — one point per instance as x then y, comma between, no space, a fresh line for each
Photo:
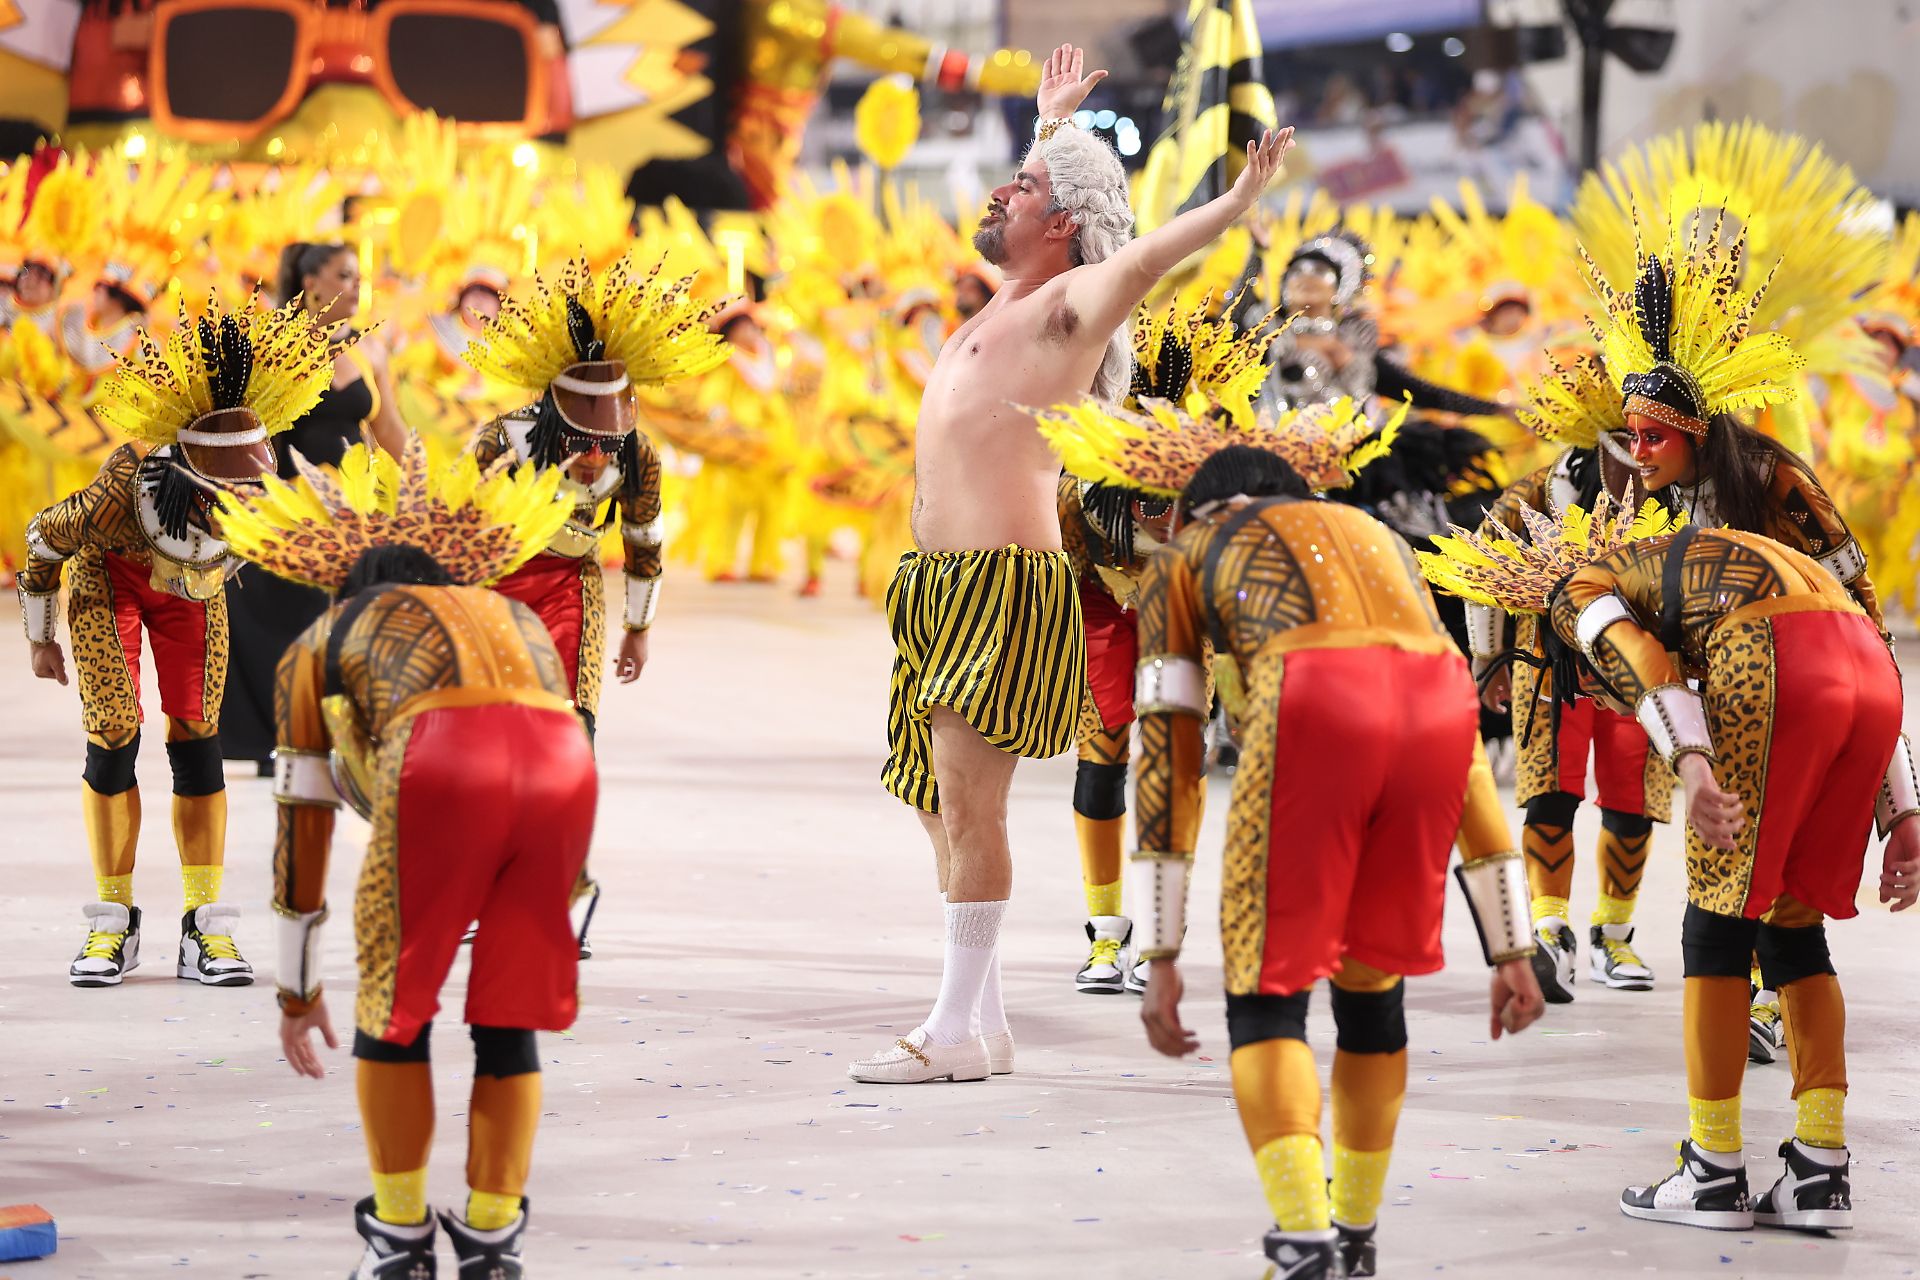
769,915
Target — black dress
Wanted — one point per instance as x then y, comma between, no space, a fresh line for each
265,613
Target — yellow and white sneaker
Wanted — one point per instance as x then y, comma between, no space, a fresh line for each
1614,962
112,950
207,952
1105,972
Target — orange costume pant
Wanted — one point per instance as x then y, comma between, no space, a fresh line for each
1372,747
490,822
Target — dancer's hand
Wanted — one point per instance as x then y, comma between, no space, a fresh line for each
1160,1011
1900,867
1497,692
1264,158
633,656
49,661
1517,1002
1062,89
1716,814
294,1042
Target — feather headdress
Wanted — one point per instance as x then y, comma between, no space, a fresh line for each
1157,448
1574,403
479,526
1499,567
1680,343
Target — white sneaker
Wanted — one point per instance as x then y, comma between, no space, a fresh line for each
1613,961
1105,972
999,1052
112,949
1137,975
1814,1194
1708,1189
1553,958
915,1059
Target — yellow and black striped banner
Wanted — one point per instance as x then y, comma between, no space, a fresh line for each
1216,104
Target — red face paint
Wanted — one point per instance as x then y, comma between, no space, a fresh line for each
1663,454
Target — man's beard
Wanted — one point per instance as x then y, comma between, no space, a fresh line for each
990,241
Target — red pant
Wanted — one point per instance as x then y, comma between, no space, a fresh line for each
1113,653
177,628
550,586
1836,717
495,812
1619,748
1372,748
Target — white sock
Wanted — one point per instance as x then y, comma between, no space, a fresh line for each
993,1013
972,930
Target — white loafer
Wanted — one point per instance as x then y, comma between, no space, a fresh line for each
914,1059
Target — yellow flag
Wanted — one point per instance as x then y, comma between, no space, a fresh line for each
1216,104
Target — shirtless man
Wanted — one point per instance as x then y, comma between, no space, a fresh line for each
985,615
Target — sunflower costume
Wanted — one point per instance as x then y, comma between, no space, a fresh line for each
580,343
138,549
1358,771
1798,717
442,713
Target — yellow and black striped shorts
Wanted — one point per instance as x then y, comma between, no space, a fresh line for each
996,637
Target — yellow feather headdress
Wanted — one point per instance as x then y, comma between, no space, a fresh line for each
479,526
1157,449
279,359
1499,567
651,323
1680,342
1186,353
1575,403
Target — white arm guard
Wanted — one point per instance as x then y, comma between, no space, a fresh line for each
1900,791
1596,618
38,614
1496,889
297,937
304,777
1676,722
37,545
1845,562
1486,630
1160,882
643,597
650,534
1169,684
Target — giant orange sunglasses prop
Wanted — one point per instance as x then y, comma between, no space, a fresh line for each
230,70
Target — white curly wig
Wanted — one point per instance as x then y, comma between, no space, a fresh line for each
1089,183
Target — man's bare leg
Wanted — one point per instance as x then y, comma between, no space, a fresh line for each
975,868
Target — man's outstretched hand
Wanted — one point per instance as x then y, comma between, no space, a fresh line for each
1062,88
1264,159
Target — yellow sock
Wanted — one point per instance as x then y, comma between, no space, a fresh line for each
1822,1118
1544,906
490,1211
1103,899
1715,1123
1295,1180
1611,910
115,889
400,1198
1359,1181
200,885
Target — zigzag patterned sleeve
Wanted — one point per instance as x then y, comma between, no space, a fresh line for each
640,517
98,512
304,835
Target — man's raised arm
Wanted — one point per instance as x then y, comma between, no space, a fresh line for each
1105,293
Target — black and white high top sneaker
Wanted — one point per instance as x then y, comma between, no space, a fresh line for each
207,951
488,1255
1105,972
1553,958
1304,1255
112,949
393,1252
1814,1194
1357,1249
1612,960
1709,1189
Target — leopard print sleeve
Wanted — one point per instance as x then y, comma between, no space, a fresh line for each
102,513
